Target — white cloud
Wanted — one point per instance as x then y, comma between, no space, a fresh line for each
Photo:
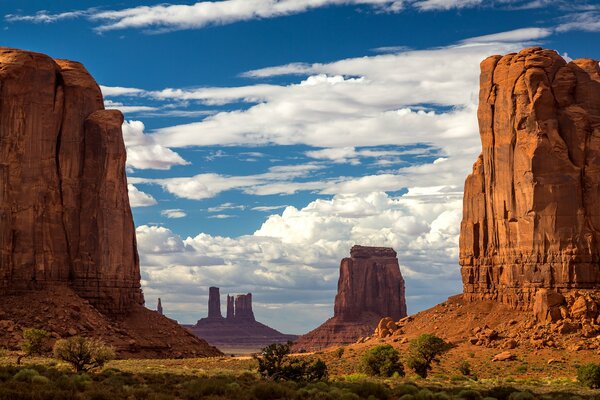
144,153
226,206
585,21
293,259
173,213
431,5
517,35
109,91
138,198
115,105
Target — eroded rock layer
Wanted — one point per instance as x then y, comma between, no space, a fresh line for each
370,287
68,254
530,217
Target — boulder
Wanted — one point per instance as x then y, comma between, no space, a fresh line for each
547,306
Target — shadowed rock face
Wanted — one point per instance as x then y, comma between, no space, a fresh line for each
214,303
243,307
370,281
64,210
370,287
530,217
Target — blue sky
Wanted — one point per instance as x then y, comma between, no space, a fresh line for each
266,137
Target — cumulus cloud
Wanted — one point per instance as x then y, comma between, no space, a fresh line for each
292,260
138,198
144,153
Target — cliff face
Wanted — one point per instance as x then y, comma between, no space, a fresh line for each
370,281
68,255
370,287
530,217
64,209
214,303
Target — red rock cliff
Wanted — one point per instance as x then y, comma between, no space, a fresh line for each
64,210
370,281
531,218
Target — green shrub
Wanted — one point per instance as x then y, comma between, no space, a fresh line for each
382,361
405,389
425,350
465,368
501,392
271,391
34,343
589,375
339,352
469,394
521,396
25,375
367,389
83,354
274,363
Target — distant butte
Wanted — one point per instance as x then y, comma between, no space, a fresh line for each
238,332
370,287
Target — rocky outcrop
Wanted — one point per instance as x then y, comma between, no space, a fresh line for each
370,287
159,307
214,303
66,226
530,217
243,307
64,209
239,332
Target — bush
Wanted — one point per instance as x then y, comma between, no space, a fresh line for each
26,375
274,363
589,375
34,343
83,354
425,350
382,361
469,394
465,368
339,352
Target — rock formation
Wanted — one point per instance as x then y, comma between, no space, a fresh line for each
370,287
230,307
65,220
239,332
214,303
530,218
159,307
243,307
531,225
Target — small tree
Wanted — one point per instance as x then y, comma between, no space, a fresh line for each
83,354
589,375
382,361
274,363
34,343
425,350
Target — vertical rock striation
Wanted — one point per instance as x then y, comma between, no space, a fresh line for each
67,238
230,307
214,303
370,287
64,210
243,307
530,217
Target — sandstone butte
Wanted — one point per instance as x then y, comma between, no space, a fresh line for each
239,332
370,287
67,238
530,234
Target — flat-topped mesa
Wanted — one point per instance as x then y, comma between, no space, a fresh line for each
370,281
530,216
214,303
370,287
243,306
65,218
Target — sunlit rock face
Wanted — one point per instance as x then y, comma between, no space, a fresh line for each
531,218
65,217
